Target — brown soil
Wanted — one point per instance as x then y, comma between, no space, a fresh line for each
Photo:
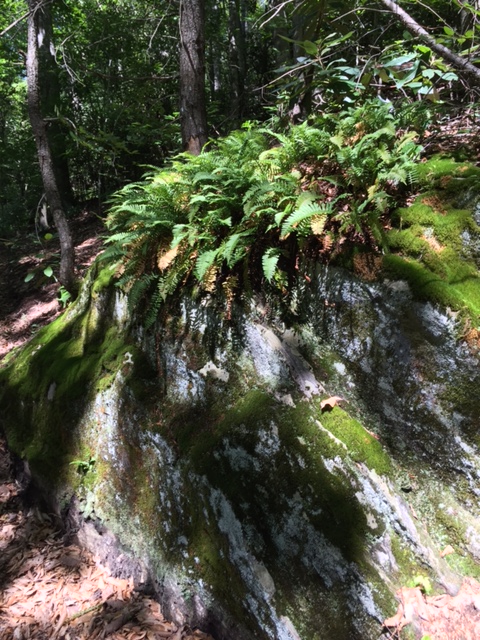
441,617
27,306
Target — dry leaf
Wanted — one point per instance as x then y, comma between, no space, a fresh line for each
329,403
447,551
166,259
317,224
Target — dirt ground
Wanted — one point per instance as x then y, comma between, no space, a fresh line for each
27,306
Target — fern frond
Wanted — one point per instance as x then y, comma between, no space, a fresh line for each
235,248
269,263
204,261
307,210
138,289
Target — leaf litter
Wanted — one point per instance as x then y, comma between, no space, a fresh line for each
439,617
53,591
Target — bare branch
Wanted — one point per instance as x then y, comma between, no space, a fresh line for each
463,66
14,23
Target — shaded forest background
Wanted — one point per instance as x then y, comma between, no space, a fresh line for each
113,91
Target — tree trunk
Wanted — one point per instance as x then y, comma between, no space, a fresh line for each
39,127
238,59
193,114
50,101
463,66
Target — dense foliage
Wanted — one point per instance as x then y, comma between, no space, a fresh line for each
247,209
317,172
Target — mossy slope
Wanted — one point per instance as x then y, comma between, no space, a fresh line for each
436,240
257,507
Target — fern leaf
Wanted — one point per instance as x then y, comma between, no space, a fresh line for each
235,248
317,224
269,263
204,261
138,289
306,210
202,176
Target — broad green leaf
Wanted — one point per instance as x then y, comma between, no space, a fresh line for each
310,47
29,277
400,60
449,76
48,271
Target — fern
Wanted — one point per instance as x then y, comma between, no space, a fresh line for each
235,248
308,208
227,216
269,263
204,261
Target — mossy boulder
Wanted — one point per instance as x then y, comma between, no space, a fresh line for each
206,447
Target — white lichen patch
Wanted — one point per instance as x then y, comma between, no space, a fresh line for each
340,368
211,369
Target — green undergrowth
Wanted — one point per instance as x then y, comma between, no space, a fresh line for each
240,216
434,243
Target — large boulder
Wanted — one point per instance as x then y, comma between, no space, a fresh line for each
276,476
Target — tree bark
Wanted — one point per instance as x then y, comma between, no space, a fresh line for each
50,102
238,59
193,113
45,159
463,66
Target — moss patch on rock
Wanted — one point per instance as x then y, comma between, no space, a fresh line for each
432,241
49,382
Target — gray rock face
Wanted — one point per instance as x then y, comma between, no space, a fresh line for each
253,512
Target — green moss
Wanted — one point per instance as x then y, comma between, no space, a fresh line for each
226,445
447,173
103,278
427,244
462,294
47,384
361,445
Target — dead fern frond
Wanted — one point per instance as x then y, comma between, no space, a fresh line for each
210,279
230,287
166,258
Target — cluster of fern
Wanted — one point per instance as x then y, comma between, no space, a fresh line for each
242,212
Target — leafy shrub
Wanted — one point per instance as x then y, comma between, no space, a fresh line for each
244,211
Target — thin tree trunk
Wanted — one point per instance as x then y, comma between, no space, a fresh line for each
238,59
35,40
193,113
463,66
50,101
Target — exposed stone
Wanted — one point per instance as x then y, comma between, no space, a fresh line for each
249,511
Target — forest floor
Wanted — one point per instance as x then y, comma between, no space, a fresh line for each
51,589
25,307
